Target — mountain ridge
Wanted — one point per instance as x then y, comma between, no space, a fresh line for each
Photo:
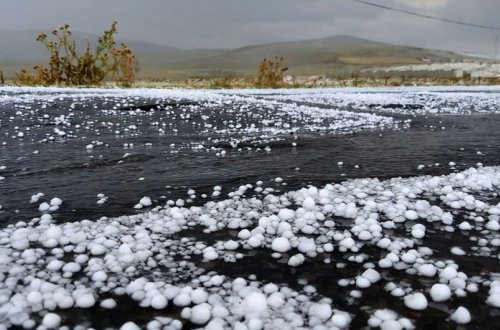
327,55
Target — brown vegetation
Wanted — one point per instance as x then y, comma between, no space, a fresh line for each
271,73
67,67
222,82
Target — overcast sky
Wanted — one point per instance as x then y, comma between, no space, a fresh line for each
231,23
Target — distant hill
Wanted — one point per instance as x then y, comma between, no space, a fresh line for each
337,54
319,56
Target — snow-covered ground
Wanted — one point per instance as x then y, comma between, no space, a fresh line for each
387,253
483,70
415,100
47,266
247,117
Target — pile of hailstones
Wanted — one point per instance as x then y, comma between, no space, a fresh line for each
46,267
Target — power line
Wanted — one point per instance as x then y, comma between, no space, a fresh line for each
447,20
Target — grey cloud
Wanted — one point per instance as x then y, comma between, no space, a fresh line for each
427,4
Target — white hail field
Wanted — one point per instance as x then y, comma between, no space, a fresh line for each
47,266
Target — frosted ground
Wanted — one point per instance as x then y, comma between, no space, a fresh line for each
483,70
249,209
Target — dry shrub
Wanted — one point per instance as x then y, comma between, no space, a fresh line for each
67,67
222,82
271,73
